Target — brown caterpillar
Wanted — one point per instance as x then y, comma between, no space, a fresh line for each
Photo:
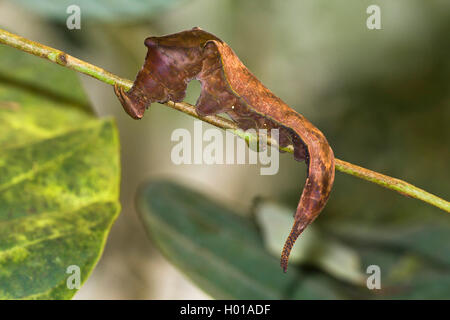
227,86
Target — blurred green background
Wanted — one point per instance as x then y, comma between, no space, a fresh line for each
381,97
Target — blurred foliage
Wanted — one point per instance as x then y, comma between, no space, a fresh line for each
222,252
219,250
315,248
59,178
414,258
100,10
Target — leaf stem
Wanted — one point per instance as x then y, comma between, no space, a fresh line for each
66,60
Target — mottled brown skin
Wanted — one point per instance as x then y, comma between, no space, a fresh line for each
229,87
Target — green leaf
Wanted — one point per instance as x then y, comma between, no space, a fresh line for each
219,250
103,10
59,179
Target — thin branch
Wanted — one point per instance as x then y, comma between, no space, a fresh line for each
63,59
